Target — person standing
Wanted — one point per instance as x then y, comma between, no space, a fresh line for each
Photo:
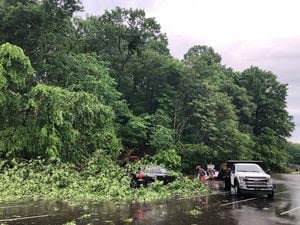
211,173
201,173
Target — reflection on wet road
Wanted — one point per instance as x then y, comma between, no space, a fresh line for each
217,208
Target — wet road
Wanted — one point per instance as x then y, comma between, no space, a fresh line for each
218,208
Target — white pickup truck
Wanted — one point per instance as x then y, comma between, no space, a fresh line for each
249,178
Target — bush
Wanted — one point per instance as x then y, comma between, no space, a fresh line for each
162,138
168,158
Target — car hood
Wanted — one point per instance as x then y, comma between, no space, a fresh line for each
253,174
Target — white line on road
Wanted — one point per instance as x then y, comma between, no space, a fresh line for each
245,200
286,212
24,218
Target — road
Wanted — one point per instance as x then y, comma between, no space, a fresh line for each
220,207
283,209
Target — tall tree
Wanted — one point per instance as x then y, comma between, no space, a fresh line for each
118,35
293,150
53,122
44,29
155,79
16,74
270,122
205,114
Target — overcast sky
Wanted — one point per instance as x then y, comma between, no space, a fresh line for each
264,33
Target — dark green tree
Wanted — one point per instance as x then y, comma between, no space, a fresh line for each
53,122
15,74
44,29
270,122
155,78
117,36
205,114
293,150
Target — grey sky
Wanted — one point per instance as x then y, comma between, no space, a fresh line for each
249,32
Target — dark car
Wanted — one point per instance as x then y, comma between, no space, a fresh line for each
144,177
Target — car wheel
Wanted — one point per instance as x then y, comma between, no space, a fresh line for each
271,196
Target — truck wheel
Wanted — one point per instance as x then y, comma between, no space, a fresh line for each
271,196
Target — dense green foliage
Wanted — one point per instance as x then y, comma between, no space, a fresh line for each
99,179
52,122
109,83
293,151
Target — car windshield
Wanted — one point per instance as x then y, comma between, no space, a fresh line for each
156,169
248,168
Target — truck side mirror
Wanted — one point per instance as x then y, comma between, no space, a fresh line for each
268,171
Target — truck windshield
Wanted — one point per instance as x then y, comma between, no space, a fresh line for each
248,168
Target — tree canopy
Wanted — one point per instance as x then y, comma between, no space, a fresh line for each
72,86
